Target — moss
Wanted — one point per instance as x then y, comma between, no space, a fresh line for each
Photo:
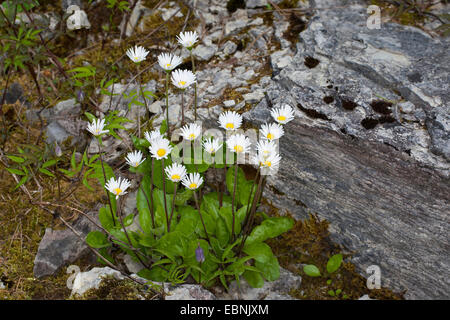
113,289
308,242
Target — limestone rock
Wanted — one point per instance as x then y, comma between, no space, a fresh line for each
61,247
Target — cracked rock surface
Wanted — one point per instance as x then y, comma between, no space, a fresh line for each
369,148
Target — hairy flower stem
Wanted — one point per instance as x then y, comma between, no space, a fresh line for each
173,206
250,196
119,215
164,192
201,217
182,107
195,86
104,179
145,102
152,213
258,194
167,103
233,200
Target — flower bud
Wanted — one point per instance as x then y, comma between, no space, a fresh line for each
58,151
199,255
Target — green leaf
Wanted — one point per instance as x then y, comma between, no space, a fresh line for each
46,172
311,270
16,159
97,239
254,278
163,127
154,274
143,203
265,261
16,171
334,263
128,220
49,163
270,228
105,217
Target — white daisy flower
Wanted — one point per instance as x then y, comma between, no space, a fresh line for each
272,131
283,115
134,159
191,131
192,181
137,54
183,78
270,163
211,145
160,148
152,135
169,61
238,143
96,127
175,172
230,120
117,187
187,39
266,148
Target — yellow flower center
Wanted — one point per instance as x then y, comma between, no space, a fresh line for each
192,186
192,136
168,65
230,125
117,191
136,164
97,131
181,83
161,152
269,136
212,150
268,163
176,177
281,118
238,148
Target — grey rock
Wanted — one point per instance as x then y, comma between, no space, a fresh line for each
366,297
281,59
65,122
229,103
254,97
85,281
379,175
229,47
67,3
204,53
189,292
13,93
132,265
167,13
272,290
61,247
2,286
255,3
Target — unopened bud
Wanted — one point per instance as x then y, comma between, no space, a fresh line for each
199,254
58,151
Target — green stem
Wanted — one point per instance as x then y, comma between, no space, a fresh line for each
201,217
182,107
173,206
195,86
151,194
104,179
167,103
164,192
233,200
